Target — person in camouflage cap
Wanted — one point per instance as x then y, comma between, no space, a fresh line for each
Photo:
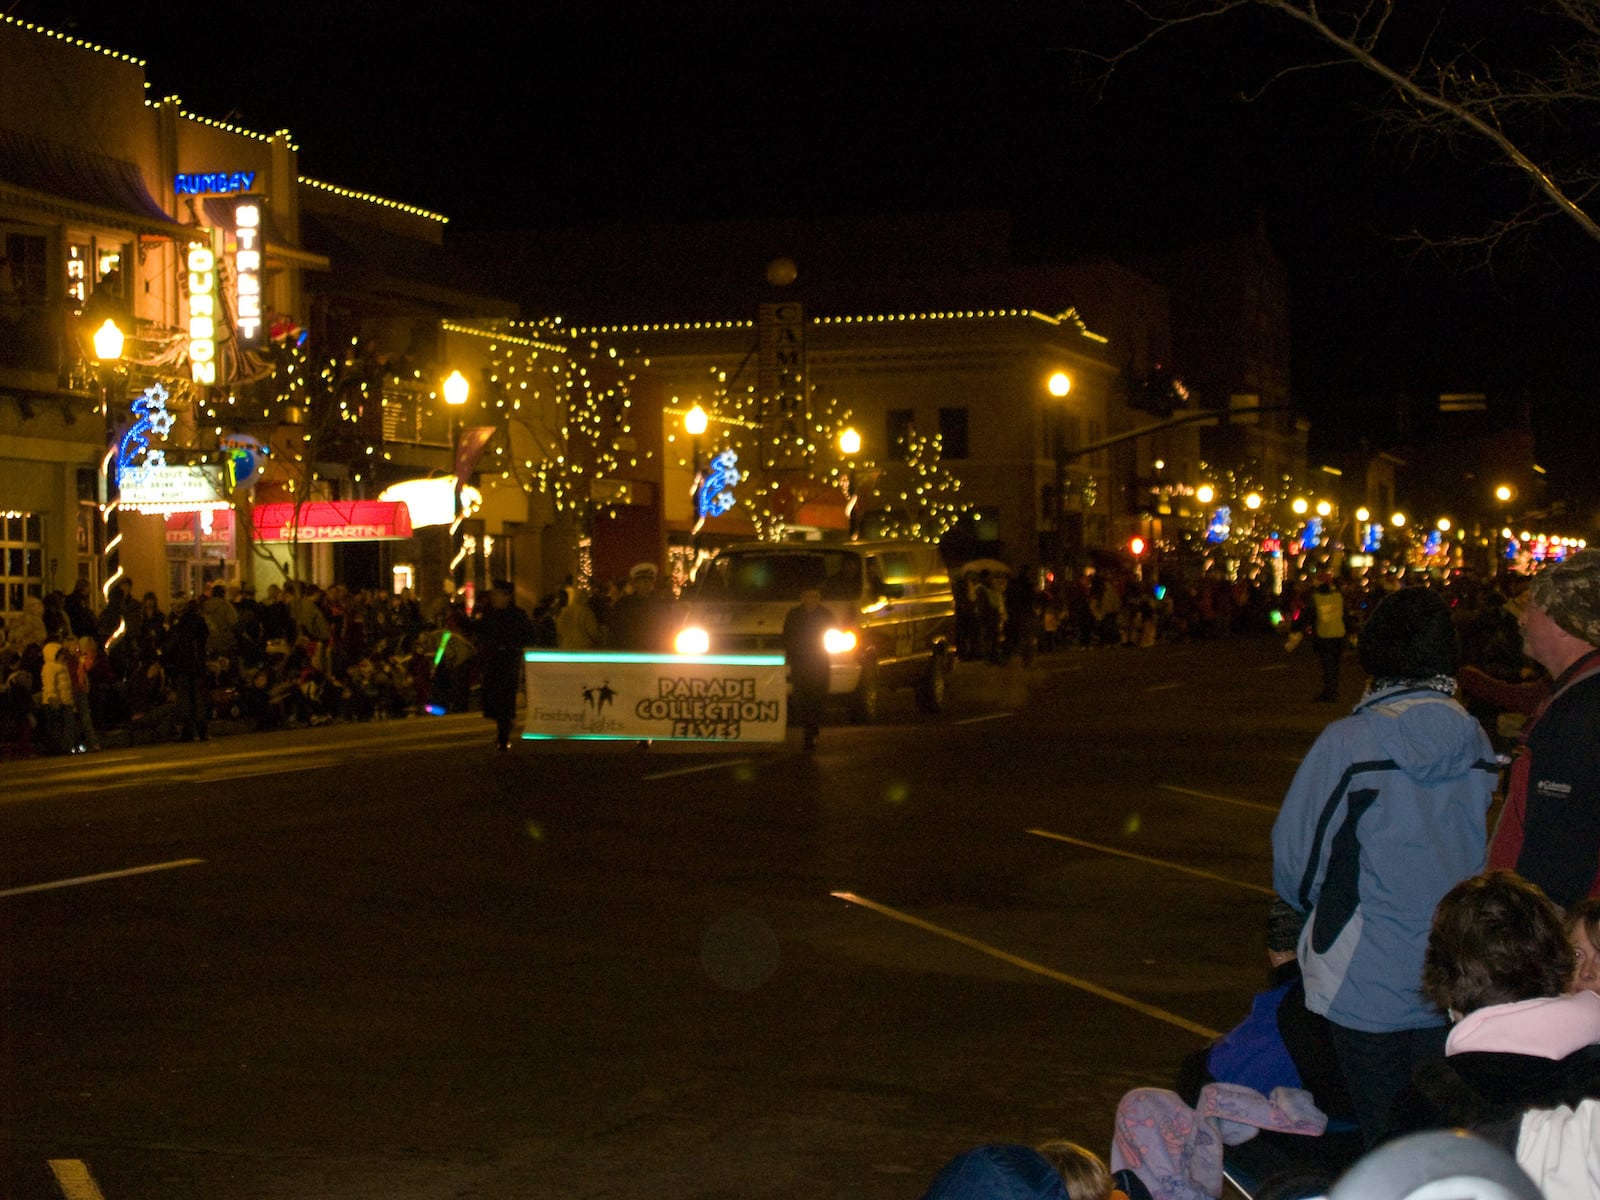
1549,830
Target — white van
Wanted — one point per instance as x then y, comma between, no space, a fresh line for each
892,602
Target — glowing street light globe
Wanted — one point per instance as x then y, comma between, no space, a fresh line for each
108,342
1398,520
1324,508
1299,505
1253,501
1205,493
849,442
456,389
1059,384
695,421
1502,493
1363,514
1444,524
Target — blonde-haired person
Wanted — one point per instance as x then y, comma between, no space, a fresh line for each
1082,1170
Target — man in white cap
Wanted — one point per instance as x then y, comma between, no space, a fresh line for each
638,620
1549,830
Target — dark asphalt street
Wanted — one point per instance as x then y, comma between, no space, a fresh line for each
382,960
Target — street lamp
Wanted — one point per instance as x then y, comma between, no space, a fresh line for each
108,342
455,389
1058,385
849,447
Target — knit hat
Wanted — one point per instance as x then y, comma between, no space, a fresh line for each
1569,594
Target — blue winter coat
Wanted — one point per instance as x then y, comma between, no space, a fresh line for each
1385,815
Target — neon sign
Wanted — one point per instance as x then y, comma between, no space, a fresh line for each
150,417
247,268
715,496
201,265
213,183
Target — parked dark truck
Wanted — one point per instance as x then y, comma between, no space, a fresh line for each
891,601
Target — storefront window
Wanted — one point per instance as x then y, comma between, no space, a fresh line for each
21,560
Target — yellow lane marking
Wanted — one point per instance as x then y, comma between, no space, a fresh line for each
1155,862
1183,791
102,877
1163,687
999,716
74,1180
1094,989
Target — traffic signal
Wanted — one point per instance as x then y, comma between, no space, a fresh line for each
1136,546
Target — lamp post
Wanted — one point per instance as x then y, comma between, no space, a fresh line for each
849,447
108,342
456,390
1058,385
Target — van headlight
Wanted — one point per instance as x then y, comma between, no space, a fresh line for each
839,641
691,639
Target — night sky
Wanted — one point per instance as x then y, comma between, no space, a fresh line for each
513,115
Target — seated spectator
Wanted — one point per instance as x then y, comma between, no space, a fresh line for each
1280,1043
1583,931
152,704
1522,1063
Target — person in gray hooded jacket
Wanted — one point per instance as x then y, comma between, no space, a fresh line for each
1385,815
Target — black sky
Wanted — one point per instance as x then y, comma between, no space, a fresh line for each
512,115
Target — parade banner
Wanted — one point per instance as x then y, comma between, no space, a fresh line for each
655,697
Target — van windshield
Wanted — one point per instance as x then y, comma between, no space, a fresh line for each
780,576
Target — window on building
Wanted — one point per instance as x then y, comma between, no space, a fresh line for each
953,433
899,424
25,256
21,560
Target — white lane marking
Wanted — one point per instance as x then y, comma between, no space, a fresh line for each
227,773
1162,687
1183,791
102,877
716,766
1094,989
1274,667
74,1180
1156,862
986,717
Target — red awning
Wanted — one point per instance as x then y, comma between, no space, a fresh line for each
334,521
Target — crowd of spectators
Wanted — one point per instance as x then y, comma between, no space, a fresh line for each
1425,976
75,673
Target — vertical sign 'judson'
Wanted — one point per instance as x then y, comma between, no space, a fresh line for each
200,266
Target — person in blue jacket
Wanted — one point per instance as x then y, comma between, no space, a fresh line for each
1385,815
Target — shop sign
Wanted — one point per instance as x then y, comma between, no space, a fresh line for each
200,263
154,488
214,183
247,269
655,697
332,521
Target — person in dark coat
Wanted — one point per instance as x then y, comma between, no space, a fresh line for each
79,610
803,628
185,665
502,632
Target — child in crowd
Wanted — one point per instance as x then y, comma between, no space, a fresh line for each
1084,1172
1583,931
1056,1170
